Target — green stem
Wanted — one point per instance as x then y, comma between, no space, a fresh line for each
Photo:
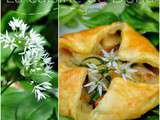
7,87
6,61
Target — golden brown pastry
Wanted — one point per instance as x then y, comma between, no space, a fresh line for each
124,100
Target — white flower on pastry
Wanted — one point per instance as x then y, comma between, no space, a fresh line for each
111,58
125,70
92,68
96,81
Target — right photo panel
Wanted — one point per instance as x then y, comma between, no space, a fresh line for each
108,59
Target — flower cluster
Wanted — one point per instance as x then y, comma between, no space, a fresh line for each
34,57
40,88
110,58
8,41
96,80
125,71
98,77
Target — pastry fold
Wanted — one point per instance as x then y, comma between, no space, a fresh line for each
124,99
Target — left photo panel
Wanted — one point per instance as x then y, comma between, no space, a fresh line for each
29,59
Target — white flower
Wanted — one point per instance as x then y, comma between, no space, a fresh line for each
34,57
46,85
95,83
28,46
47,69
8,41
46,59
17,23
125,71
111,58
33,40
40,89
23,27
34,52
27,59
33,35
92,68
36,39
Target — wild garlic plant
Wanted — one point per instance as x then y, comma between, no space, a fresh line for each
34,59
99,75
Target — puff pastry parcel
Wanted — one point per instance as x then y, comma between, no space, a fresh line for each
124,100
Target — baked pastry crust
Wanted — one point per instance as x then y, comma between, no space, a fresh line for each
124,99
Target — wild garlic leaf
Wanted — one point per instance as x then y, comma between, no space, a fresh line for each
65,10
144,7
137,19
99,20
17,60
9,102
95,9
31,109
38,28
115,7
5,52
53,14
7,17
41,77
55,107
26,86
31,11
153,37
54,78
67,13
153,3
